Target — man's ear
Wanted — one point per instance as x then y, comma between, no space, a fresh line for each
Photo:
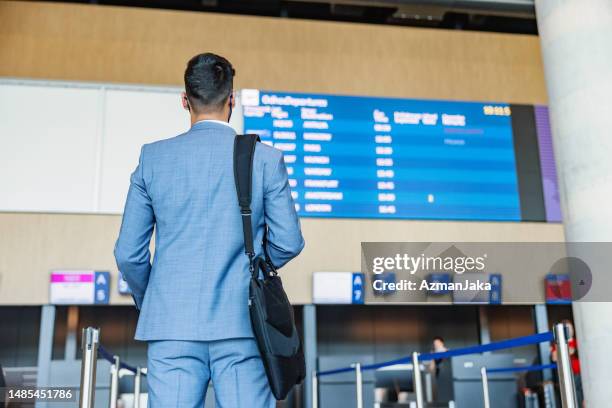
185,101
232,100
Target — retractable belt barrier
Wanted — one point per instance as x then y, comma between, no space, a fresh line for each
105,354
485,379
559,336
91,349
538,367
499,345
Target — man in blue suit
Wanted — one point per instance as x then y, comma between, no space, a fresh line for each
193,298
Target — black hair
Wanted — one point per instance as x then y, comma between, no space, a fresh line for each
438,338
209,81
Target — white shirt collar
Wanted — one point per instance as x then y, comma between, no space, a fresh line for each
214,121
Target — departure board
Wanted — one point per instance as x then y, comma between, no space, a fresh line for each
367,157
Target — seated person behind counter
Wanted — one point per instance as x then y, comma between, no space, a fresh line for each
442,382
438,346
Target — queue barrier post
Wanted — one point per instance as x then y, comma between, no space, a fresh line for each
549,394
417,381
137,381
485,387
564,365
315,391
114,382
89,344
428,387
358,384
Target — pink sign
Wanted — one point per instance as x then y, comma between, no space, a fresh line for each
76,287
57,277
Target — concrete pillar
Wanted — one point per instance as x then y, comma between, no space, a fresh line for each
576,39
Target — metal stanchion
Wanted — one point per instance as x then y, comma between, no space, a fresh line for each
315,391
428,387
137,378
358,384
564,366
416,378
89,344
485,387
549,395
114,382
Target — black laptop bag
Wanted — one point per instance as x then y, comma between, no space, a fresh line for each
271,313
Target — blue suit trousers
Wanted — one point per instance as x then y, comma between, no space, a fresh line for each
179,373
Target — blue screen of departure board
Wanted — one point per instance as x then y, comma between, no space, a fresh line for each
365,157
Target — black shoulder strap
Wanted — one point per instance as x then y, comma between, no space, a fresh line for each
244,151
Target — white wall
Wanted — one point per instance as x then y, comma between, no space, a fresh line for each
48,148
132,118
71,146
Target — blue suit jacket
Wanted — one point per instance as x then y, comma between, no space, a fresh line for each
197,286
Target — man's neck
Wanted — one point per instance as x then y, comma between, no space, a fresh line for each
208,116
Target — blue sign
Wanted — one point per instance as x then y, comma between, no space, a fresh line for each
386,278
444,278
366,157
358,288
495,295
122,286
101,287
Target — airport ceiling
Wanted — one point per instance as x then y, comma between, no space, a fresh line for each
507,16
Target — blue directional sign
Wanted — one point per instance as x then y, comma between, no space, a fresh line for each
358,288
122,286
386,278
495,295
439,278
101,287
